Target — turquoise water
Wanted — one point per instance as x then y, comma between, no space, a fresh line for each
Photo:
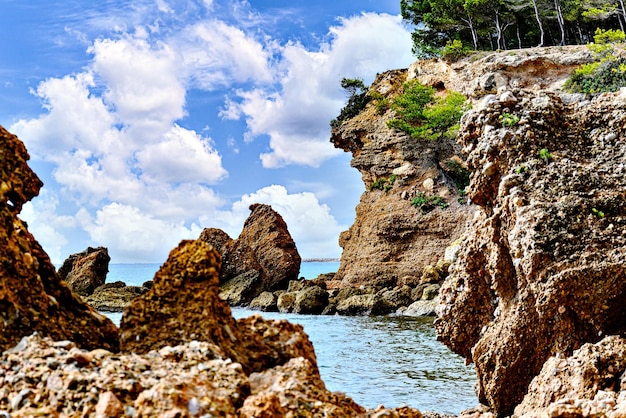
375,360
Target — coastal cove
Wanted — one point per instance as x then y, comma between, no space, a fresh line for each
388,360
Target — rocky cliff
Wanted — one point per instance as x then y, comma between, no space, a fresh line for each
542,267
391,241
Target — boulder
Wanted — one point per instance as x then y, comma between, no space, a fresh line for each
237,257
85,271
357,305
114,297
240,290
266,233
420,308
286,301
266,302
33,298
541,270
310,300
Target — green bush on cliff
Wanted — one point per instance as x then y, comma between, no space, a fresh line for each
357,99
608,73
423,115
384,184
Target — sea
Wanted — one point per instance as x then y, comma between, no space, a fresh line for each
388,360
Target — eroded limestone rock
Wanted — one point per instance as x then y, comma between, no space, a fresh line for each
542,268
33,298
85,271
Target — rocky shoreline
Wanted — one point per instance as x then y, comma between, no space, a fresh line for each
533,292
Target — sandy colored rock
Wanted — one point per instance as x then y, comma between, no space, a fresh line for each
266,233
85,271
32,296
590,381
183,305
391,240
542,268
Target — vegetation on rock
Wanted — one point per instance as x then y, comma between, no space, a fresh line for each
423,115
608,72
357,99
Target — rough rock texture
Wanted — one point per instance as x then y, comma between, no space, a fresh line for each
390,240
531,68
32,296
591,382
183,305
237,257
114,297
266,233
85,271
263,257
542,269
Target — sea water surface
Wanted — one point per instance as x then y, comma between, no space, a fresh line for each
389,360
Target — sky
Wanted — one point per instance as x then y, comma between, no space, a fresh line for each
149,120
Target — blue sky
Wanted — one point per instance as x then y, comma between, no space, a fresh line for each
150,120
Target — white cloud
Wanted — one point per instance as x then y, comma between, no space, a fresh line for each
142,83
296,116
216,54
44,223
182,156
135,236
309,222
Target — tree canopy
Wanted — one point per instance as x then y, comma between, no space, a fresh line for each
507,24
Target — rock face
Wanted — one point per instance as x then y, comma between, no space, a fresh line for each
390,240
542,269
266,233
591,382
85,271
183,305
32,296
263,258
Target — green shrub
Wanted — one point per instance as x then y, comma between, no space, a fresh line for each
459,174
545,155
422,115
607,73
426,203
382,103
455,50
508,119
357,100
384,184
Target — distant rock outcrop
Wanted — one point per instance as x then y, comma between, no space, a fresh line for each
33,298
85,271
543,266
263,258
266,233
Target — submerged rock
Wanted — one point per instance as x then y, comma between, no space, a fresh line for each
85,271
33,298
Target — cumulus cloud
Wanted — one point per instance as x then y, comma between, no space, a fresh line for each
135,236
296,115
310,223
182,156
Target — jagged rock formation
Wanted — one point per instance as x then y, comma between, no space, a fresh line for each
391,241
590,383
542,268
85,271
33,298
266,233
263,258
